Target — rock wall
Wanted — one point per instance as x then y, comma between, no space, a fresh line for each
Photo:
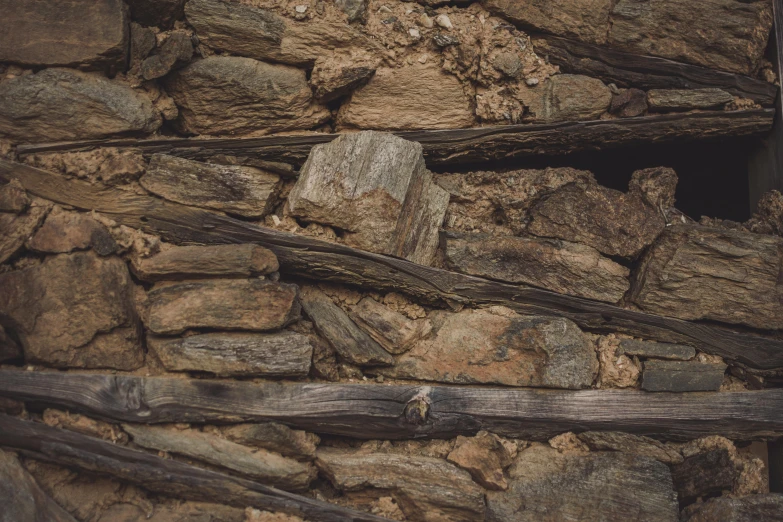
148,375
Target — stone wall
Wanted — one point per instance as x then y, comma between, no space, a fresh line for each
228,340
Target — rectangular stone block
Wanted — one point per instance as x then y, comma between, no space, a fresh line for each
682,376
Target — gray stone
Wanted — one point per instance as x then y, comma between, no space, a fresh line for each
499,347
687,99
547,486
274,437
13,197
86,33
752,508
629,103
682,376
629,443
62,104
175,52
16,229
703,475
232,95
353,9
392,330
566,97
649,349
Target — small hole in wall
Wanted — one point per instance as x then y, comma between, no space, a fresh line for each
713,175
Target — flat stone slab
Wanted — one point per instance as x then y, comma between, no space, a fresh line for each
682,376
653,350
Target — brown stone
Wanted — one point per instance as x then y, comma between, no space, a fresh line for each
425,488
392,330
729,35
629,103
411,97
752,508
233,95
272,436
63,104
694,272
376,188
234,189
194,262
629,443
279,354
687,99
768,217
331,80
547,486
15,230
482,347
570,97
13,197
586,20
175,52
614,223
705,474
559,266
228,304
656,186
255,463
73,310
85,33
161,13
245,30
65,231
9,349
484,457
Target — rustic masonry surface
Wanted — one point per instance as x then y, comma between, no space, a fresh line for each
269,262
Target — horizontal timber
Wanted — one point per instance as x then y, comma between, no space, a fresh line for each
463,146
314,259
168,477
647,72
368,411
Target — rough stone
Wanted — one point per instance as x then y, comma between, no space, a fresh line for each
245,30
705,474
586,20
730,35
649,349
13,197
161,13
233,95
353,9
547,486
85,33
65,231
73,310
484,457
194,262
616,370
570,97
629,443
175,52
768,217
9,349
753,508
656,186
234,189
425,488
376,188
392,330
482,347
559,266
143,42
419,96
63,104
22,498
15,230
352,343
272,436
687,99
629,103
614,223
682,376
228,304
256,463
331,80
694,272
279,354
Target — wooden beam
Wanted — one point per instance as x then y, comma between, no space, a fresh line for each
462,146
647,72
370,411
167,477
323,261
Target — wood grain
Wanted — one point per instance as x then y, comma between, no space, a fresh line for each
168,477
368,411
461,146
322,261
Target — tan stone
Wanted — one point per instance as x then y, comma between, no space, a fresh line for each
392,330
484,457
64,232
15,230
201,261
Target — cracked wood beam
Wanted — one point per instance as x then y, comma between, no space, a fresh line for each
368,411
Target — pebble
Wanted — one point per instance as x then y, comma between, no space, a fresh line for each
444,21
532,82
426,21
414,33
423,58
384,9
301,9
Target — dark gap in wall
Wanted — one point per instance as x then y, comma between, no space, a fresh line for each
713,175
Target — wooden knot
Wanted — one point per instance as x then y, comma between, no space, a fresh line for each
417,411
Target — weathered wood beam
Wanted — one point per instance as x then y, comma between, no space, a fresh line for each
323,261
461,146
168,477
647,72
367,411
